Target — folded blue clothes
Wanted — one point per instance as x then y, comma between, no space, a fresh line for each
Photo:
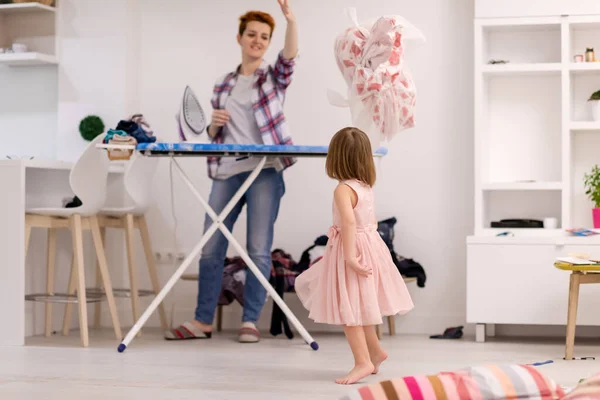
135,130
111,133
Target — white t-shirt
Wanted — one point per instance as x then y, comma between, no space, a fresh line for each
242,129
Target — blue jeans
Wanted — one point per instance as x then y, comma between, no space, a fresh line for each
262,200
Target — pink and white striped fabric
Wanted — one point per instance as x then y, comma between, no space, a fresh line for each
490,382
589,389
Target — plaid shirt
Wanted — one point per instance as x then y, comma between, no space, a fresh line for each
268,98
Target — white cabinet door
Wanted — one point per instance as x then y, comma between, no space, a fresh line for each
515,284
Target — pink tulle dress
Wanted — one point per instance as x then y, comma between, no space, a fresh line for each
335,294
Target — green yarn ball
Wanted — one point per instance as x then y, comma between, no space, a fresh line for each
90,127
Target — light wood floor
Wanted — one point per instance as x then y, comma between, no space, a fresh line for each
220,368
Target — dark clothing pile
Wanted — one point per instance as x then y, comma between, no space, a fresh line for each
284,271
282,278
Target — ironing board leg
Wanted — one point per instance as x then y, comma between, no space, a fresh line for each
244,255
193,254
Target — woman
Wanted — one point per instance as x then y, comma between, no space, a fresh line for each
247,109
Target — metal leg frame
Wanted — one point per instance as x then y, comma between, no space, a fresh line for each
217,224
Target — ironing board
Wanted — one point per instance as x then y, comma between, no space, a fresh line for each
187,149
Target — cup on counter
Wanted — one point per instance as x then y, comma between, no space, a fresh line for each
19,48
550,223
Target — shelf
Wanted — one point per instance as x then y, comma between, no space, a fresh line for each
529,23
523,186
24,8
523,234
585,126
584,67
540,236
27,59
510,69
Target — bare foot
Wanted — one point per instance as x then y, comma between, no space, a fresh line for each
359,372
377,360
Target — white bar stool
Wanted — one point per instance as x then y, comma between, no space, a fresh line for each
88,180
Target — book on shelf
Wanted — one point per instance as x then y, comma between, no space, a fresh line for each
577,260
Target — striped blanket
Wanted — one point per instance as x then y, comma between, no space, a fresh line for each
489,382
588,389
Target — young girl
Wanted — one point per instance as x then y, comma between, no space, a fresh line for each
356,281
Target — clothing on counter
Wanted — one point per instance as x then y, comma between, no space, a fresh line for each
111,133
141,121
134,130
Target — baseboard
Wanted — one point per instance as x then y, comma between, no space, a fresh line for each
408,324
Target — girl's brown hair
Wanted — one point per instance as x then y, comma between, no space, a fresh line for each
350,157
258,16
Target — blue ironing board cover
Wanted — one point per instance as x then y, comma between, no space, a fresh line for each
187,148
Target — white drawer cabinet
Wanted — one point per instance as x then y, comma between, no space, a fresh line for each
514,281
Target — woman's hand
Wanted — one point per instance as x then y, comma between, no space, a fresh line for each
286,10
220,118
359,269
290,48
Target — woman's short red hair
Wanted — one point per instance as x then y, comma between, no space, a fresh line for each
258,16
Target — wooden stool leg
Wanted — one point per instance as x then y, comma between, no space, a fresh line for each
152,267
70,291
219,318
133,283
391,325
77,234
27,237
99,285
50,278
97,235
572,314
378,331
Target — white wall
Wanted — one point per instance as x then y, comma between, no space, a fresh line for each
28,111
96,53
426,181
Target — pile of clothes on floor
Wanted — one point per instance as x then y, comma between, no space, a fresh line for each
284,271
282,278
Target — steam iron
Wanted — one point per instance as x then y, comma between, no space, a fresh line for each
191,119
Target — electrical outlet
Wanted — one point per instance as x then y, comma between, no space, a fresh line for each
169,256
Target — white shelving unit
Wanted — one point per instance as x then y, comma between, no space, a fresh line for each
22,8
529,112
27,59
534,141
31,24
